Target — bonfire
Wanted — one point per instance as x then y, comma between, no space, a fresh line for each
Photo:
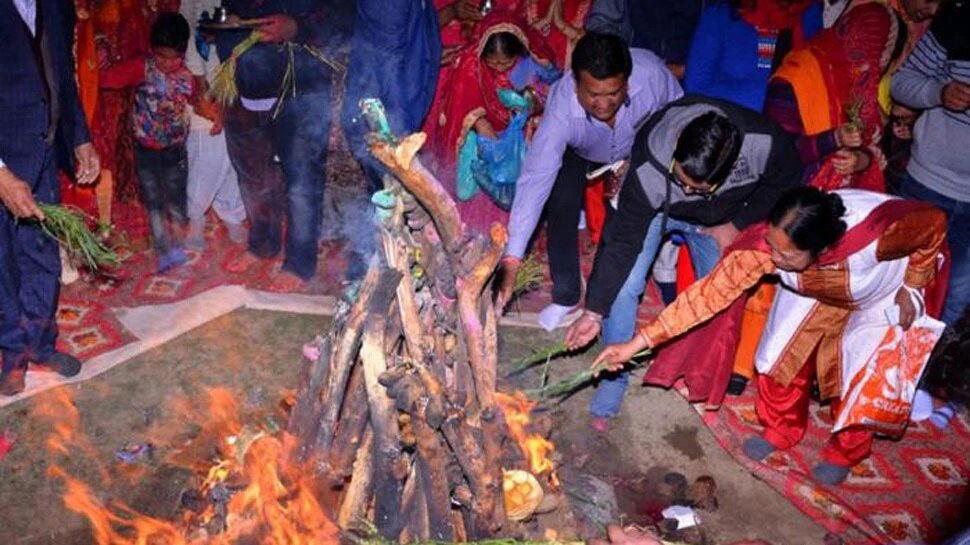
396,432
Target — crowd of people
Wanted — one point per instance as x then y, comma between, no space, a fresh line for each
811,179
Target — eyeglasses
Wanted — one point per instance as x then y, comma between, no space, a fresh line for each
689,189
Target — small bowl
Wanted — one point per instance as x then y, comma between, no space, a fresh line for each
523,494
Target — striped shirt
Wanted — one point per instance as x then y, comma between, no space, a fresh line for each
939,161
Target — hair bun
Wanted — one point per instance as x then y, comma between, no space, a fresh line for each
835,204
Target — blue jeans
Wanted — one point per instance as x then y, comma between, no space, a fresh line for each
299,136
302,140
620,325
958,225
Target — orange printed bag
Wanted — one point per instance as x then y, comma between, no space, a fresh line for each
880,395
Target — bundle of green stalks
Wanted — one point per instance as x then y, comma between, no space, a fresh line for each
853,112
223,89
580,379
541,355
528,277
69,226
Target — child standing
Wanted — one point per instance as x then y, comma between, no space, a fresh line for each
161,125
212,179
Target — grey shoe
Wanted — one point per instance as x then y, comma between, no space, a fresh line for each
757,448
829,473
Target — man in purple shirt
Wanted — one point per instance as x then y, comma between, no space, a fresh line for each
590,120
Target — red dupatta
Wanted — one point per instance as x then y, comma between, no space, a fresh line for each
704,358
838,73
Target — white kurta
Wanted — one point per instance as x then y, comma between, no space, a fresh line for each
872,284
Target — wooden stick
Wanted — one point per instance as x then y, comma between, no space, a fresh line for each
492,432
350,429
471,457
417,527
469,294
342,358
308,401
360,490
491,419
397,259
401,161
432,465
383,415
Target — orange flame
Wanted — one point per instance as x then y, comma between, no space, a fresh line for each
536,449
273,502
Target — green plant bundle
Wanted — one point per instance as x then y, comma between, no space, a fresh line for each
528,277
853,112
69,226
539,356
579,379
223,89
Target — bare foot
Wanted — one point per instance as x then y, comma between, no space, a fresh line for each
286,282
241,263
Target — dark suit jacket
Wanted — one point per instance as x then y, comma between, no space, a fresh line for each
25,104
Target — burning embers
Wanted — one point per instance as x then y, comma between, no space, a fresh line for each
248,492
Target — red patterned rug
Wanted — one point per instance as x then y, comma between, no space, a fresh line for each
914,490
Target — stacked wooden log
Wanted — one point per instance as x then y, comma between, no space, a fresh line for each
399,412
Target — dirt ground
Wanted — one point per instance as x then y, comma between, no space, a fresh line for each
256,355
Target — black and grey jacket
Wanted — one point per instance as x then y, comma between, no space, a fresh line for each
767,165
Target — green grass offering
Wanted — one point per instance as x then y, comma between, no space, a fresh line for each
539,356
223,89
69,226
580,379
528,277
853,112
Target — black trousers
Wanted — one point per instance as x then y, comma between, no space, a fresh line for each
562,227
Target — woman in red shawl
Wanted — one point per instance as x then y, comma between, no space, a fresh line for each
827,94
506,54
